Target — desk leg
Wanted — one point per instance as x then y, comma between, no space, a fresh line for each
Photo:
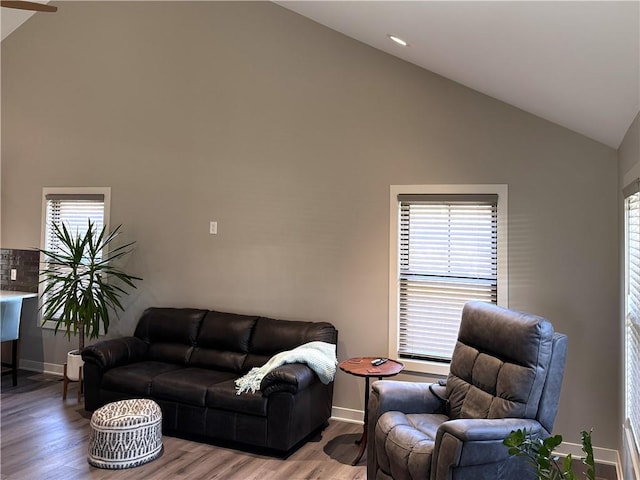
14,362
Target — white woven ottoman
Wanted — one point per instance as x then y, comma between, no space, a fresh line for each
125,434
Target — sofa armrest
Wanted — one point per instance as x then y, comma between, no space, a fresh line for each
476,443
114,352
291,377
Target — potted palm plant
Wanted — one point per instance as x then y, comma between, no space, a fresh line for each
82,285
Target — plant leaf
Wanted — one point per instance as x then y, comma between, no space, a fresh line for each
587,448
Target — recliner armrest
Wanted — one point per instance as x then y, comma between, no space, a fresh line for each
474,443
291,377
406,397
114,352
479,430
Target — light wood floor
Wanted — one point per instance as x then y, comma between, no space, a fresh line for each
44,437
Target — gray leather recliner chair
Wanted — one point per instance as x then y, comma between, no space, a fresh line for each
506,373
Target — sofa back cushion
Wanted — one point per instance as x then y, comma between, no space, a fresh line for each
223,341
170,332
274,336
500,363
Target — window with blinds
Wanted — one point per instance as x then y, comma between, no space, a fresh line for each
73,207
448,245
632,313
448,256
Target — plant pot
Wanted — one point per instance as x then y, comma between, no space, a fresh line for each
74,362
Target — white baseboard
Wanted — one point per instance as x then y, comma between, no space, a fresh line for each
601,455
347,415
41,367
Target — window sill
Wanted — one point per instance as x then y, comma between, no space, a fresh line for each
49,325
423,366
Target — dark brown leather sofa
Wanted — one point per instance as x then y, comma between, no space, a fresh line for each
187,361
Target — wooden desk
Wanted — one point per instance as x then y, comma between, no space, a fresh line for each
361,367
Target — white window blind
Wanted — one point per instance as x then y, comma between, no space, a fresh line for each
75,211
448,255
632,313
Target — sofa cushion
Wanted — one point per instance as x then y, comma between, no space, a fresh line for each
187,385
136,378
224,396
170,332
218,359
274,336
170,353
226,331
223,341
170,325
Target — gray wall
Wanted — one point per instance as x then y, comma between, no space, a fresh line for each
629,152
289,135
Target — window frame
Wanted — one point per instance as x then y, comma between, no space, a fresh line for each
631,426
426,366
80,191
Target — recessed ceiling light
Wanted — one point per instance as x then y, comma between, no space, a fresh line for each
398,40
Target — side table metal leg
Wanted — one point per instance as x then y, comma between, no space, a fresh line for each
363,446
363,438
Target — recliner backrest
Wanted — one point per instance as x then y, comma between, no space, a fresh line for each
550,396
500,363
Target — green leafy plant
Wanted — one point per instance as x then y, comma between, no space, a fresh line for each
81,281
540,453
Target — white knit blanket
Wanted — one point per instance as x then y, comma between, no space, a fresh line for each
319,356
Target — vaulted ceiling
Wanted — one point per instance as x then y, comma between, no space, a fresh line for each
576,64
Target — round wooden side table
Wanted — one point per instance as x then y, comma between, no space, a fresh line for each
361,367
